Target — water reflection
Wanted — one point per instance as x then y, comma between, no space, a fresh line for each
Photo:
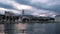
36,28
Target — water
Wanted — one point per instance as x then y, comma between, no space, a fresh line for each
37,28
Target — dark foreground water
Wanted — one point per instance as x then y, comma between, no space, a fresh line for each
37,28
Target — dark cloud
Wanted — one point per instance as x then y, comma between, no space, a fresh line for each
39,5
5,6
26,2
36,6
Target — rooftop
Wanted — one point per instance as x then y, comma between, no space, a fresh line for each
57,15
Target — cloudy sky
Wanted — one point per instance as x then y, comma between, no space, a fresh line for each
31,7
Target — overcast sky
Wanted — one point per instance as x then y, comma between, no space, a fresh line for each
31,7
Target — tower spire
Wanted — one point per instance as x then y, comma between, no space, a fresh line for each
22,15
22,12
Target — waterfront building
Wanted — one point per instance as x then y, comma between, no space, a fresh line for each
57,18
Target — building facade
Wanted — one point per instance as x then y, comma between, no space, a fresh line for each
57,18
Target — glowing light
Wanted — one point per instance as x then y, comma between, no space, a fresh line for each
42,15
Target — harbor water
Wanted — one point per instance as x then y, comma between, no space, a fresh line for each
37,28
45,28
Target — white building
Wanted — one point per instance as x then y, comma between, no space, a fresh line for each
57,18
